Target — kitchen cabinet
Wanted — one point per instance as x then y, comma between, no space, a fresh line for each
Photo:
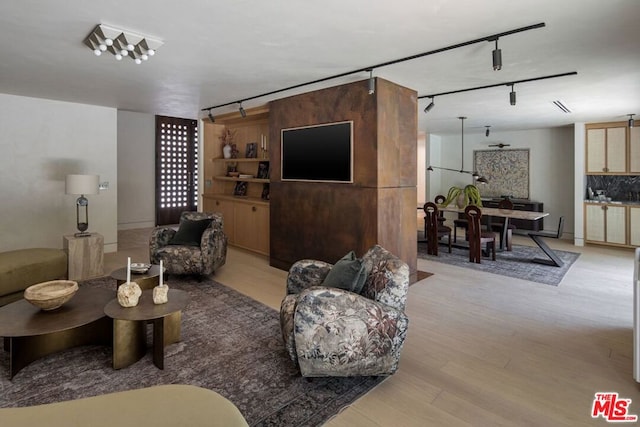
606,151
634,151
605,223
634,226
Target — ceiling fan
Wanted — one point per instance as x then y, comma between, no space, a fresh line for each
500,145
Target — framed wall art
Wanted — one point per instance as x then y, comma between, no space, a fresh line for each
507,172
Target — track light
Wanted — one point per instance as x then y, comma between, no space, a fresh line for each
631,121
486,132
242,112
497,57
372,83
512,96
429,107
211,117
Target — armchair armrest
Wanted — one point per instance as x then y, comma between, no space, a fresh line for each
213,247
159,238
341,333
306,273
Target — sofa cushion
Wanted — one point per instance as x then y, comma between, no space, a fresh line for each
348,273
190,232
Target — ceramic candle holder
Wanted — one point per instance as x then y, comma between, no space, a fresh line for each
160,294
129,294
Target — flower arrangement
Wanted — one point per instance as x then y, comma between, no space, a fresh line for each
226,137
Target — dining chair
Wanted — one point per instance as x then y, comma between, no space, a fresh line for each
477,237
433,230
498,225
440,199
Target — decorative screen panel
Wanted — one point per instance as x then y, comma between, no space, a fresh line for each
176,168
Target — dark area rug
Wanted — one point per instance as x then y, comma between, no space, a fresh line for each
517,263
230,344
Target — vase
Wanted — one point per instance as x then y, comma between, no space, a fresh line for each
226,151
460,201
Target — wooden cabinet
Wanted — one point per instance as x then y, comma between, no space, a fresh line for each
634,226
606,223
607,147
634,151
239,187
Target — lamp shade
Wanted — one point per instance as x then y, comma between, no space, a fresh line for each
82,184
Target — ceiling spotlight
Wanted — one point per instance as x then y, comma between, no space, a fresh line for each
121,43
138,61
372,83
512,96
631,121
429,107
211,117
497,57
118,56
486,132
242,112
97,52
108,41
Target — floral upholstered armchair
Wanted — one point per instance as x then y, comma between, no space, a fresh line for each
199,246
329,331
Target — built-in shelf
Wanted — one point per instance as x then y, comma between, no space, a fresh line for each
254,200
236,179
240,160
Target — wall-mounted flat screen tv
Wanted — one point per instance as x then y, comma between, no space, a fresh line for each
319,153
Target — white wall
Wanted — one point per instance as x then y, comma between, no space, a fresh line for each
41,141
551,166
136,170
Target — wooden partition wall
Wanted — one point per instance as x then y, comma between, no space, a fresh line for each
326,220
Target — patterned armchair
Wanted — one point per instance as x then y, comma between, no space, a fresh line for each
334,332
185,259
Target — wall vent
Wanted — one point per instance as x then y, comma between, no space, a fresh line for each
561,106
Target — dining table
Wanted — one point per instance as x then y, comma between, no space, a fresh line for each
508,214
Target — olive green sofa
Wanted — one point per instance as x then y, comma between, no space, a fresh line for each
22,268
173,405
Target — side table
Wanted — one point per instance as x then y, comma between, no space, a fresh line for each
85,255
129,327
148,280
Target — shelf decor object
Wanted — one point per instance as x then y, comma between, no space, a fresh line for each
82,185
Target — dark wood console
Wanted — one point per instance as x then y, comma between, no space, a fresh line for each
521,205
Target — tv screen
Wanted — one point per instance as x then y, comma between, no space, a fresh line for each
321,153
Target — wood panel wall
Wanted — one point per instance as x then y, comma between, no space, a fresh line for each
326,220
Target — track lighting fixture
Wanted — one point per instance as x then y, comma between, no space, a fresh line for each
213,119
512,96
497,57
242,112
372,83
370,68
631,121
430,106
486,132
476,176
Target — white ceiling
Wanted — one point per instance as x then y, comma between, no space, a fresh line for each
222,51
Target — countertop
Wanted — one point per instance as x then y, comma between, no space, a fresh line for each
615,202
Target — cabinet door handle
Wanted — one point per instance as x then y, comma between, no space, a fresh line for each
253,208
217,202
517,205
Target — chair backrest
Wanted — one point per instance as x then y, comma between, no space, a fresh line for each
505,204
439,199
473,214
431,227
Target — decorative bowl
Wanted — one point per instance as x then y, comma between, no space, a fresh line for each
234,174
139,267
51,295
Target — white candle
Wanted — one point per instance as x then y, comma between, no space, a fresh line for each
161,272
128,269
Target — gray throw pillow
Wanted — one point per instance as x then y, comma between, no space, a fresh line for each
190,232
348,273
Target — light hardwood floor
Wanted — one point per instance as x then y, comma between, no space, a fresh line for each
483,349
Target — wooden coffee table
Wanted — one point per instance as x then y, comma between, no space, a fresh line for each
30,333
129,327
148,280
